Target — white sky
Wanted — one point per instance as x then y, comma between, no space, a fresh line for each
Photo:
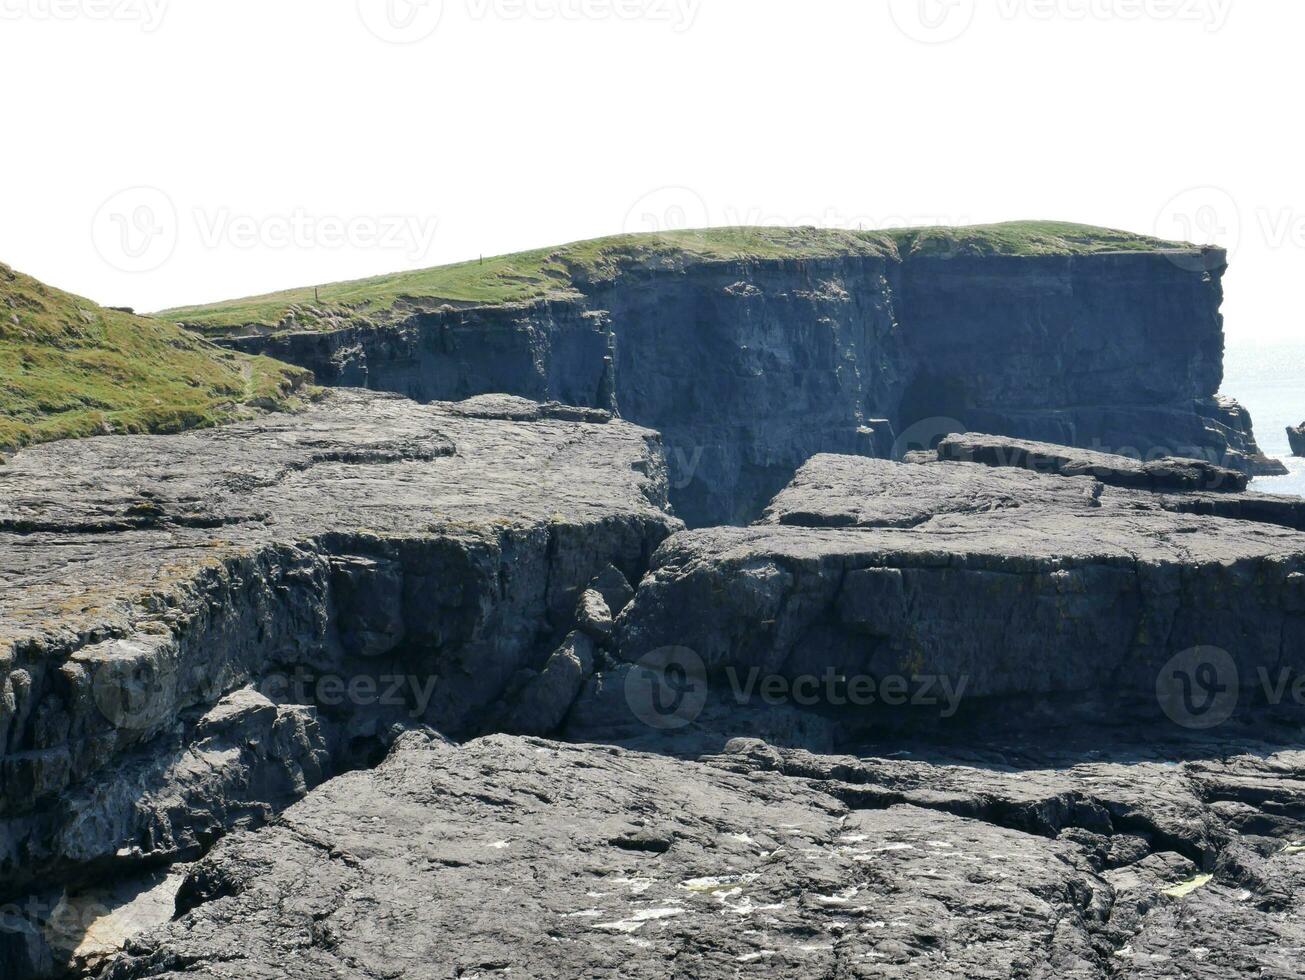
285,142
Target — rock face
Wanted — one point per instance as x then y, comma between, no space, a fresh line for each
1044,592
1296,436
866,735
1103,858
197,629
750,368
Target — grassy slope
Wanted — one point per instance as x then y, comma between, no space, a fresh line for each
554,272
71,368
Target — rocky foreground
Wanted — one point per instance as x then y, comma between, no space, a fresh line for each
1002,710
197,629
522,857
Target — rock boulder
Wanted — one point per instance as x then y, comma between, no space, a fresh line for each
1296,435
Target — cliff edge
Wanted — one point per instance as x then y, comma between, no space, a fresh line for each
753,349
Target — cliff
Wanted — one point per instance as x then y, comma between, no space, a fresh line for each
1078,845
753,350
202,632
185,621
232,660
1040,588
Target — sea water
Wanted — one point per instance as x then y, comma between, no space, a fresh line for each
1270,382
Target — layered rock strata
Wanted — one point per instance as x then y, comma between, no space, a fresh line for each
1034,589
1164,473
749,368
196,629
200,629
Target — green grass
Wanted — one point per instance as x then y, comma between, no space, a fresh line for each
565,270
1025,238
70,368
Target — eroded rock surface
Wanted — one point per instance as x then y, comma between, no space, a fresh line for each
1024,584
1165,473
1188,486
174,603
522,857
366,566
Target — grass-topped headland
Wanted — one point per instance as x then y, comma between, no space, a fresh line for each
1025,238
70,368
562,271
